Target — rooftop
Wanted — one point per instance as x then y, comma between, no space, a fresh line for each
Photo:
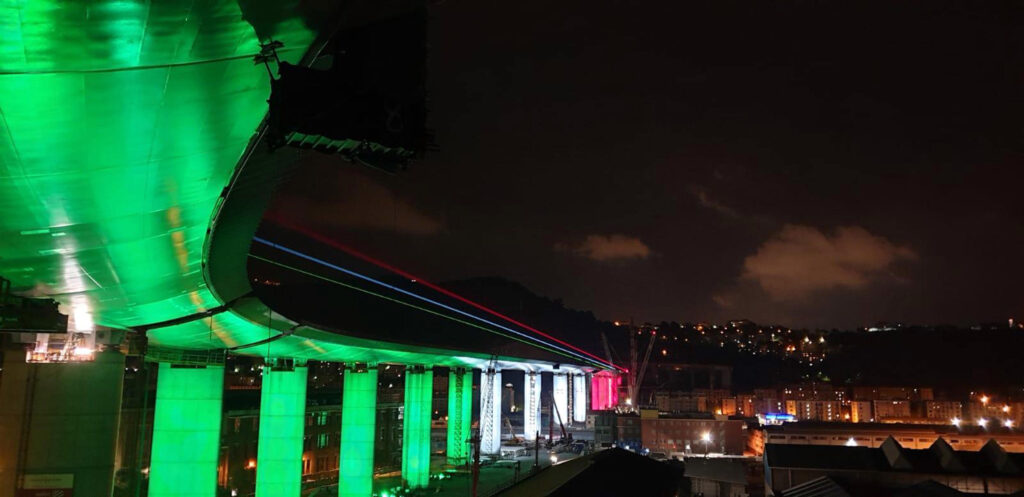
940,458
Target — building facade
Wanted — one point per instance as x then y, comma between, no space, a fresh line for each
911,436
680,436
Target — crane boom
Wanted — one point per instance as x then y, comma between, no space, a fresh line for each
607,349
643,366
631,384
558,415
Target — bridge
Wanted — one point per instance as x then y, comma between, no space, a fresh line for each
134,175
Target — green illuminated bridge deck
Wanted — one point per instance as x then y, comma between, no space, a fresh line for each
131,183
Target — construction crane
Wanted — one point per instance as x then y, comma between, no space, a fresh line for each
643,366
556,415
607,349
635,377
631,378
513,439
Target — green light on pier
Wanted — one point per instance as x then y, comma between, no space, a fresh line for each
358,423
416,427
282,425
186,431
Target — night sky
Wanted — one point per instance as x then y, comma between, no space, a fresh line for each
786,162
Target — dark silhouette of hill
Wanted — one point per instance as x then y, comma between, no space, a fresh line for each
949,358
583,329
580,328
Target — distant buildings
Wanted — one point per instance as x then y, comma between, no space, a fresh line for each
677,436
883,410
943,411
815,410
892,393
603,425
970,438
816,401
320,445
860,411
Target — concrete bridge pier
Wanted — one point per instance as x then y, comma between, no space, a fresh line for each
60,419
186,431
560,398
419,382
490,411
358,424
531,405
604,390
460,413
281,431
579,398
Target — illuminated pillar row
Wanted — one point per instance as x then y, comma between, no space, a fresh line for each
490,412
186,431
560,398
358,421
579,398
460,412
531,409
282,426
416,426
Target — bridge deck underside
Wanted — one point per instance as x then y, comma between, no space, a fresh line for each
120,125
121,122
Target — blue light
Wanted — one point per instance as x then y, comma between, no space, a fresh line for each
414,295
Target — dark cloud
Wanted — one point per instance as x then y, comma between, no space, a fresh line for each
705,199
341,199
608,247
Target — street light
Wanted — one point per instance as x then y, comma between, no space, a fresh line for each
956,422
982,422
706,437
1008,423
